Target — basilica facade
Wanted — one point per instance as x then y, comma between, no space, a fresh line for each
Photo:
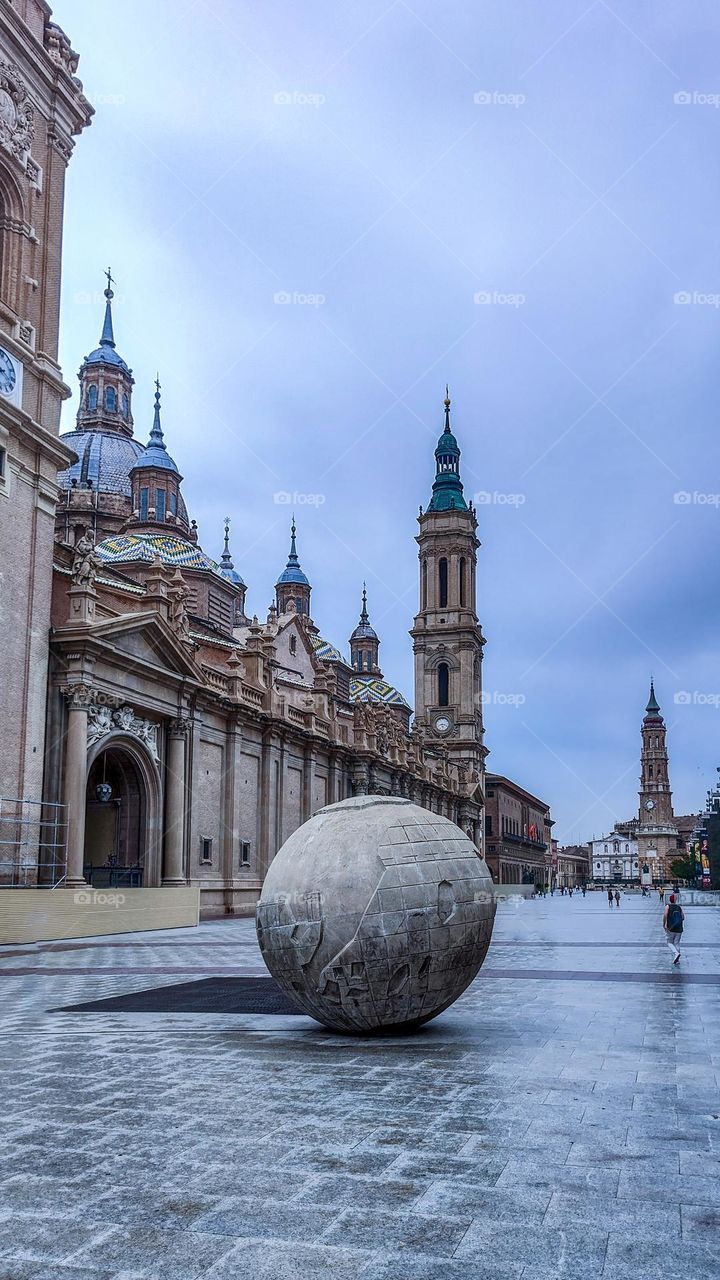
186,740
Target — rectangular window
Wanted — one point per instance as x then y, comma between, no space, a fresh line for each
173,504
3,462
245,853
206,848
159,504
144,494
488,824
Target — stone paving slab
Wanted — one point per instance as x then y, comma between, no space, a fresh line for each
545,1126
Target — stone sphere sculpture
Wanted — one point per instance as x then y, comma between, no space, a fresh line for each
375,914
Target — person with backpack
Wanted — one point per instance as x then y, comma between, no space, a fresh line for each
673,921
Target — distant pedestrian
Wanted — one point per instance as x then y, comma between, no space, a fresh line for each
570,891
552,891
673,922
584,890
610,897
661,893
617,899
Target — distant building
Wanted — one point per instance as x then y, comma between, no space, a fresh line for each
572,868
614,857
518,833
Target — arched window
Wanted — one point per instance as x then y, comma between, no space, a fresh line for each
442,583
461,581
159,504
650,771
91,401
110,399
125,406
293,644
144,503
443,675
423,587
173,504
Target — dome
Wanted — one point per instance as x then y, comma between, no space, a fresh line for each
293,573
374,689
364,631
131,548
326,651
105,355
157,456
231,575
375,913
104,457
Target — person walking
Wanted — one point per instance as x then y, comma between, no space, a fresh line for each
584,890
673,922
661,893
610,897
617,899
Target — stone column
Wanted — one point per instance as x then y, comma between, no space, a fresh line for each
173,870
78,698
308,791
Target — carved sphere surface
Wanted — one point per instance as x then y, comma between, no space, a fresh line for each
375,913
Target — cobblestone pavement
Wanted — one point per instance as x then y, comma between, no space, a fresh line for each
562,1120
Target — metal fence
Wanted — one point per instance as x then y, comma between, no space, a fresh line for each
33,837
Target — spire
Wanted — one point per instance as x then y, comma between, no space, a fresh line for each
107,338
364,642
292,571
226,558
447,492
653,704
227,567
156,435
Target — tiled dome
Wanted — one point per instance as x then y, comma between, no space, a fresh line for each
104,457
129,548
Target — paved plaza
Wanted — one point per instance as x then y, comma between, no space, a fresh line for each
562,1120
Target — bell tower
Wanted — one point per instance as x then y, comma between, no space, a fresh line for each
657,834
447,637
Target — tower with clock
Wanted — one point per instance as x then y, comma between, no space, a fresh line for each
447,637
657,834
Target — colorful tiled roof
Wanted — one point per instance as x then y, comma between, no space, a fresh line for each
326,651
144,547
372,689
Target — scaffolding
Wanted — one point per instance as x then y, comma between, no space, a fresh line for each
32,844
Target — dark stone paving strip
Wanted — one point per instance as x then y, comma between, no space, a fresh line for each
672,978
71,971
213,995
593,946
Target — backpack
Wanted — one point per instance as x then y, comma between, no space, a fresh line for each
675,919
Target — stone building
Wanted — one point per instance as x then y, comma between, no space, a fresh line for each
518,833
571,866
42,108
187,740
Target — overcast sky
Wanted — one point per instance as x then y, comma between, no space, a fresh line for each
507,196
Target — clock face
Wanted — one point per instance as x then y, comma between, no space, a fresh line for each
649,805
7,373
442,724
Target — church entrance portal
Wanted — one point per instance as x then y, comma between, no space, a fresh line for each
116,821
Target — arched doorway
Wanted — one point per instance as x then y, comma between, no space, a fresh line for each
122,817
